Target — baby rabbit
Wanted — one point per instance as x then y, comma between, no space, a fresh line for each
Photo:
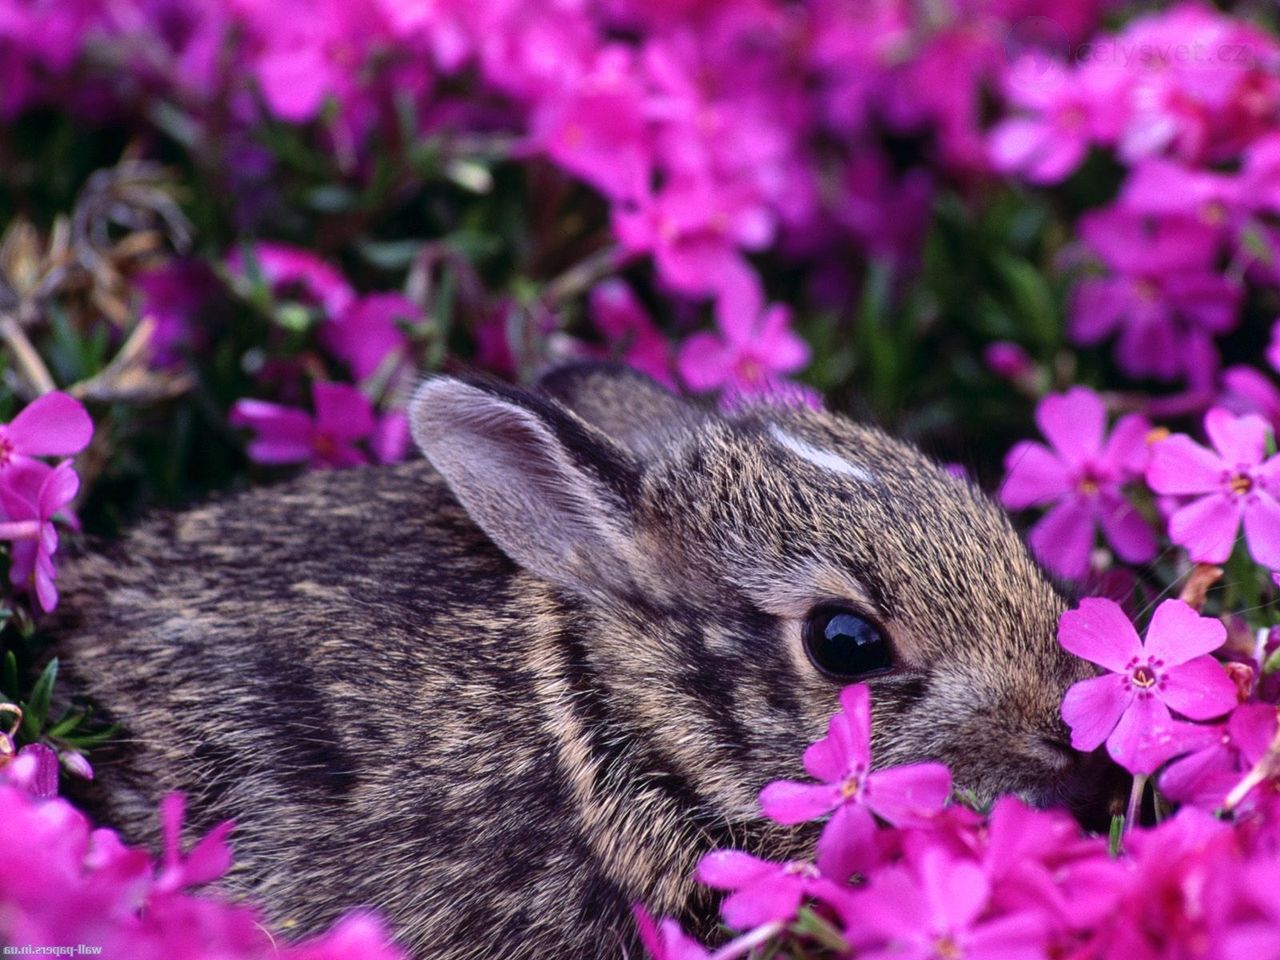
504,692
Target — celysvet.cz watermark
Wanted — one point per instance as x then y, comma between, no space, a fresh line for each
52,950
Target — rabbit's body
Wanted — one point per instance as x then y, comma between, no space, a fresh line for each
505,694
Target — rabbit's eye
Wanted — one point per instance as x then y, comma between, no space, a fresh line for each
844,644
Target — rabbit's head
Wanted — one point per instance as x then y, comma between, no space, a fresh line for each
728,575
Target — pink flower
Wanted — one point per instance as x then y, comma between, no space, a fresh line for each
1159,187
754,345
1008,360
1206,776
695,230
31,494
287,435
630,331
596,126
666,941
842,760
1129,707
52,425
209,859
1235,481
1082,474
297,273
1164,295
937,907
764,892
1066,113
367,333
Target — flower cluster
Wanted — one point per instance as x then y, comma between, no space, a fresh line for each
922,879
33,494
1178,97
63,882
712,131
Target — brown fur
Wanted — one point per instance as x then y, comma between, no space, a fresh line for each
503,756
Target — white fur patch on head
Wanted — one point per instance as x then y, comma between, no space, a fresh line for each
819,457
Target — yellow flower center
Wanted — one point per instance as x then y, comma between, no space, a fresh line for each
1241,484
1144,677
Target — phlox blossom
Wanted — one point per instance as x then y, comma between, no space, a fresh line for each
286,435
52,425
852,792
31,495
938,907
764,891
1205,776
1129,707
1080,475
753,349
1234,481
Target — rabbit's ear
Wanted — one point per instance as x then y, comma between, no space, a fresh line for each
551,491
633,410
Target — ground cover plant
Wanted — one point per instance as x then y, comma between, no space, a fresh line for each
1040,239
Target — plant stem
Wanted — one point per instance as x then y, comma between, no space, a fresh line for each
744,944
1135,801
24,353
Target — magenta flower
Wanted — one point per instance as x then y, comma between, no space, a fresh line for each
31,494
630,331
286,435
52,425
367,335
297,273
696,228
1164,295
1234,481
1081,474
842,760
1206,776
1129,707
754,347
209,859
666,941
939,909
1159,187
764,892
596,127
1065,114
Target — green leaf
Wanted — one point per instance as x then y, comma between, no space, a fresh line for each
1115,834
10,681
37,708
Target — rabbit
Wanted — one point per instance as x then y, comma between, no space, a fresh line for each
506,691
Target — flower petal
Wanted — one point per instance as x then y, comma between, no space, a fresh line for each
53,425
1207,527
342,411
846,845
1262,528
1035,475
731,869
1099,631
1146,736
1199,689
1126,529
1242,441
1093,707
1063,538
787,801
905,794
775,898
1074,423
1177,633
1180,466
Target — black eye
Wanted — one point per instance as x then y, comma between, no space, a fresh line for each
844,644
